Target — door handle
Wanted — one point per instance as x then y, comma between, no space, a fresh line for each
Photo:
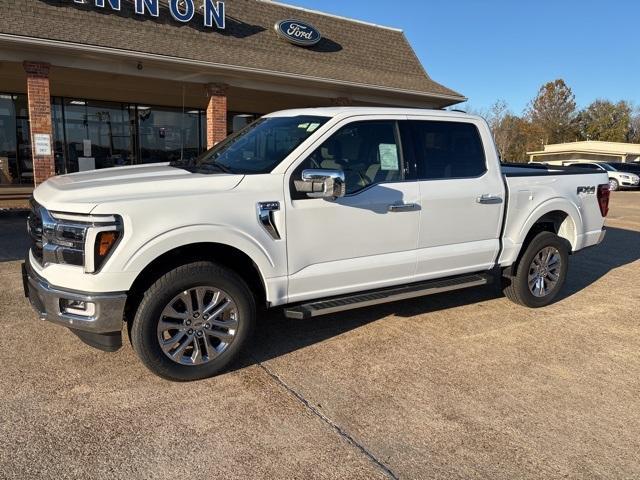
488,199
403,207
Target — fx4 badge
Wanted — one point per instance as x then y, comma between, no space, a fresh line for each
587,190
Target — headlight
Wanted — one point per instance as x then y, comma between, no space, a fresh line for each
81,240
625,176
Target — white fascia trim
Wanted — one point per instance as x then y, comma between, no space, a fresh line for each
330,15
19,39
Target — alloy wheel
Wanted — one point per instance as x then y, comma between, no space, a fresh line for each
198,325
544,272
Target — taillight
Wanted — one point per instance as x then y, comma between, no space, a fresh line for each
603,199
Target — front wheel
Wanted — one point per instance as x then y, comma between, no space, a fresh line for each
193,322
540,273
613,184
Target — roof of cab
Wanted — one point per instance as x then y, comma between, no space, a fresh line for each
333,112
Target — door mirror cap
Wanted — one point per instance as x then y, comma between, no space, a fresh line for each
322,183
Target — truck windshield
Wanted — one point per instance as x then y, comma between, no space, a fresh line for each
256,149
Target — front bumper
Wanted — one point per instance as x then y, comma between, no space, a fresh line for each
47,300
631,183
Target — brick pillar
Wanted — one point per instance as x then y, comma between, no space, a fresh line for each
216,113
39,99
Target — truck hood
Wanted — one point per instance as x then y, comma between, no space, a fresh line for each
82,192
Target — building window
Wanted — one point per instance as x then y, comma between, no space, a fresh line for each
92,134
236,121
168,134
16,165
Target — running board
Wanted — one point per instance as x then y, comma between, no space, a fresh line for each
386,295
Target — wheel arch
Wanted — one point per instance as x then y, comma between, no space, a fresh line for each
222,254
556,216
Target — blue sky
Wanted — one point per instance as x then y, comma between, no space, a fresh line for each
490,49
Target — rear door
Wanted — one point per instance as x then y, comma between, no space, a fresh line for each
461,195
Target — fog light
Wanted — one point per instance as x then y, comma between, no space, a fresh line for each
78,307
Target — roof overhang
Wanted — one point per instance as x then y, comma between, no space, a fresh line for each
203,71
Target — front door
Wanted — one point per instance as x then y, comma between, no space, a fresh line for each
366,239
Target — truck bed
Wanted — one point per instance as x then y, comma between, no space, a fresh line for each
536,170
533,191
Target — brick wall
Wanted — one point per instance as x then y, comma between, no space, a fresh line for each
216,113
39,99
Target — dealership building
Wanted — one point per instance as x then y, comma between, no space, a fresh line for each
589,151
90,84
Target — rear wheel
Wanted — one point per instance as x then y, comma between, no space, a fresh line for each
193,322
540,273
613,184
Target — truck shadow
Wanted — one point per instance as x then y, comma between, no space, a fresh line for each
620,247
277,336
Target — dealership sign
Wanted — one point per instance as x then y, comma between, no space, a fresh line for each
181,10
298,33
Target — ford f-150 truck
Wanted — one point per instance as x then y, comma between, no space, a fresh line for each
315,211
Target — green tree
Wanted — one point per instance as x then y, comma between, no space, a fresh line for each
634,130
606,121
553,113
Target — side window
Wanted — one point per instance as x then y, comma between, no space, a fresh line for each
367,152
448,150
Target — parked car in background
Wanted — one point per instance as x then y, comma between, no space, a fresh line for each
630,167
314,211
617,178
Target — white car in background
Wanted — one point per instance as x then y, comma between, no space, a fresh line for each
617,178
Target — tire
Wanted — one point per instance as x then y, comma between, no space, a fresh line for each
613,185
516,279
215,339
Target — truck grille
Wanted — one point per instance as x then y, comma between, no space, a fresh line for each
34,226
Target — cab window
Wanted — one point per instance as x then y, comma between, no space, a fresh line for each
367,152
445,150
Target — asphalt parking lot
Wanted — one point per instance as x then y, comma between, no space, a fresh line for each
461,385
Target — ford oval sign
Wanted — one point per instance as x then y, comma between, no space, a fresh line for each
298,33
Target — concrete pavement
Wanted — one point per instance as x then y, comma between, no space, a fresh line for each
462,385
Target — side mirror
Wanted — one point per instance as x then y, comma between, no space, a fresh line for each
322,183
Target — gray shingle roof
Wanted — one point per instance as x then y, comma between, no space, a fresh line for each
352,52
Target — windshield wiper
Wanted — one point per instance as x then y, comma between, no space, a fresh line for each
189,166
181,163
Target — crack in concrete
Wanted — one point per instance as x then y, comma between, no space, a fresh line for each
337,428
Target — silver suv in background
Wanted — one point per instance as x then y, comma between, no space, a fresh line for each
618,177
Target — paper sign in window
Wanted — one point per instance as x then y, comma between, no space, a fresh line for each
389,157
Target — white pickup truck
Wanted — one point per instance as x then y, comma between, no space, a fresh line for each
314,211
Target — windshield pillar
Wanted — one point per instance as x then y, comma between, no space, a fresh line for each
216,113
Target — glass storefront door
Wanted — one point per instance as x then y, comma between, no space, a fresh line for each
16,165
